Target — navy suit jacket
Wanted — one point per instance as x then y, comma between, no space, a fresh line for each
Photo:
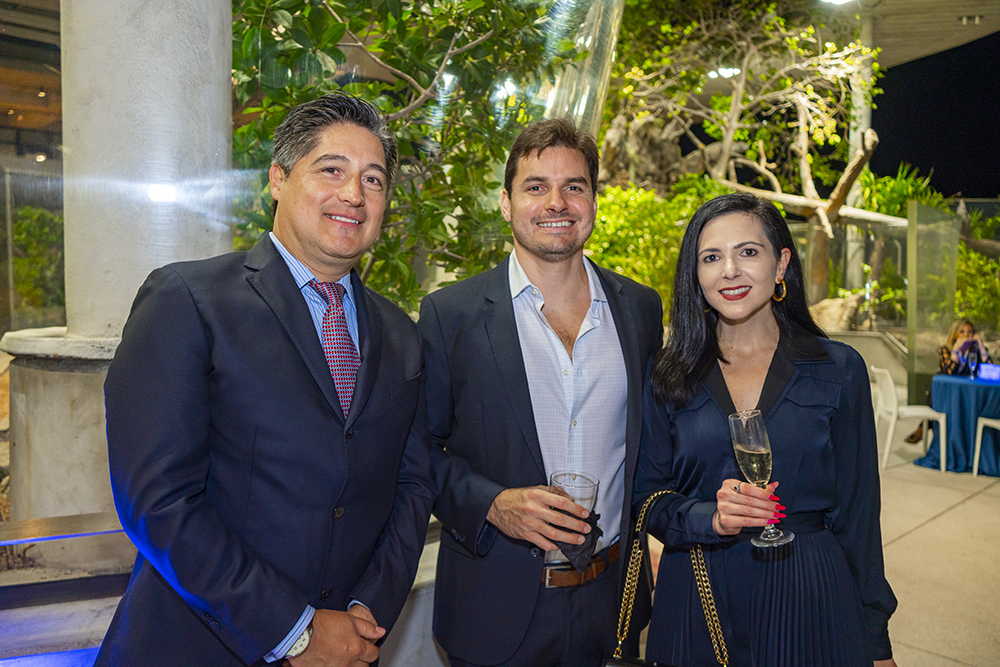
236,474
484,441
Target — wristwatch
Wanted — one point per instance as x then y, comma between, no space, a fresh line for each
301,644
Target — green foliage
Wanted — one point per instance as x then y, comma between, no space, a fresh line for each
885,299
978,288
834,280
638,235
455,78
770,66
889,194
38,258
978,276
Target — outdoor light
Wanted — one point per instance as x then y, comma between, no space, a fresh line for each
40,157
162,193
724,72
41,92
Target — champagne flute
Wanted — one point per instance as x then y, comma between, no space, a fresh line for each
753,453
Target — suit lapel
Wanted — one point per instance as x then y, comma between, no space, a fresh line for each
370,338
270,277
628,337
501,331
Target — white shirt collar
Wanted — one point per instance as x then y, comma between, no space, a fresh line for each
519,281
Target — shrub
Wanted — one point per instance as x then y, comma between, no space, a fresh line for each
638,234
38,258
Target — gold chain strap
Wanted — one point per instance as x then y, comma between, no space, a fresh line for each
700,576
708,605
632,577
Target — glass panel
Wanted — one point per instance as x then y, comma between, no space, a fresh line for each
32,288
932,255
581,88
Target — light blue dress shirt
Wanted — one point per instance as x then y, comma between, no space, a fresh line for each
579,404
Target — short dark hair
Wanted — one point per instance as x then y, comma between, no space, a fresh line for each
692,347
299,133
543,134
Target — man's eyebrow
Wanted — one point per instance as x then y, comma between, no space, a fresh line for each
544,179
334,157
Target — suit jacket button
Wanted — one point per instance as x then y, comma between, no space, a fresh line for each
338,512
349,433
536,552
325,594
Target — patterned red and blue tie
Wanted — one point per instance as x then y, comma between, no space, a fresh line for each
341,355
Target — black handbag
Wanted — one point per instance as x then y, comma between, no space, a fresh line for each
632,583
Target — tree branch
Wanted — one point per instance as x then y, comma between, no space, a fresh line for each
760,169
424,94
801,149
869,141
367,271
429,92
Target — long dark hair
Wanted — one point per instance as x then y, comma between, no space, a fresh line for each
692,346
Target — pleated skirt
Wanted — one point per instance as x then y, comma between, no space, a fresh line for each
790,606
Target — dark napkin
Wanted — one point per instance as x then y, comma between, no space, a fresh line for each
579,555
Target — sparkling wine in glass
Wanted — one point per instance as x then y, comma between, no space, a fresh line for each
753,453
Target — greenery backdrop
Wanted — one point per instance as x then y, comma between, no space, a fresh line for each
456,77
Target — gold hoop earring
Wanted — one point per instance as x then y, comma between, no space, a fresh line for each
784,291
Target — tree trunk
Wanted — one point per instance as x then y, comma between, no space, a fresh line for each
817,283
878,258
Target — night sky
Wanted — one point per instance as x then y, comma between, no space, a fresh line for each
942,113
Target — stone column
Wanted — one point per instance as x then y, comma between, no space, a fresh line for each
147,152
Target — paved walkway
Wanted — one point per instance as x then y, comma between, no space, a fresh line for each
941,536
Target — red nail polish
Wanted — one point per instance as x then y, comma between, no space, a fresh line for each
779,515
772,521
774,497
779,508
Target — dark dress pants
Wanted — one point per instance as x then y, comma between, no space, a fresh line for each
571,627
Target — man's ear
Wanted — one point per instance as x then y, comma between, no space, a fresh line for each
505,205
275,178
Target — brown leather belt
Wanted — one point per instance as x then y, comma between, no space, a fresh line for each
562,575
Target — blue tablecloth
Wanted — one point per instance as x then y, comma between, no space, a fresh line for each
964,400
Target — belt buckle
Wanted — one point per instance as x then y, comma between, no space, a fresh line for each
554,568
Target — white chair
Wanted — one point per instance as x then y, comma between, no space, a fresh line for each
888,406
980,423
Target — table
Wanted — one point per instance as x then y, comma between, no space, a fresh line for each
964,400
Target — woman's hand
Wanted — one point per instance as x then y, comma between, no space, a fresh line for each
984,355
743,505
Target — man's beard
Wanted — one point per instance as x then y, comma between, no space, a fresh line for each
557,249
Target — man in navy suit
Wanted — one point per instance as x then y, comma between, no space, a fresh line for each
533,367
266,427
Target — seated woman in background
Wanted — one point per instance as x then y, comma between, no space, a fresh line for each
741,337
962,341
953,359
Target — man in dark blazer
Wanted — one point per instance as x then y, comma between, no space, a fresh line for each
279,511
532,367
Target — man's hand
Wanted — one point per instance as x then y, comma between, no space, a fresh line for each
340,639
530,514
365,614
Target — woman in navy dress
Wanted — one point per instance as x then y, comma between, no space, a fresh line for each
741,337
